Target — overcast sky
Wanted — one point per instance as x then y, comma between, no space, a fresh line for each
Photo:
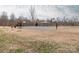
42,12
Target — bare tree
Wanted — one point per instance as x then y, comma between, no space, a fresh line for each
52,20
4,16
12,20
20,21
33,15
32,12
12,17
4,19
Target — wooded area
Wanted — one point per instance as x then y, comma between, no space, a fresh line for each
5,20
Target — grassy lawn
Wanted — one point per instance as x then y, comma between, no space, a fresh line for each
17,44
13,43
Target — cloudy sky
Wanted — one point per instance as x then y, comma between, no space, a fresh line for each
41,11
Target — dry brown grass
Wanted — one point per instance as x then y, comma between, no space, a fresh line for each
65,39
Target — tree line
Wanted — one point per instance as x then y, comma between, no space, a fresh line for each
34,21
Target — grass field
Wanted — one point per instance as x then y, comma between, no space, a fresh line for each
36,40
